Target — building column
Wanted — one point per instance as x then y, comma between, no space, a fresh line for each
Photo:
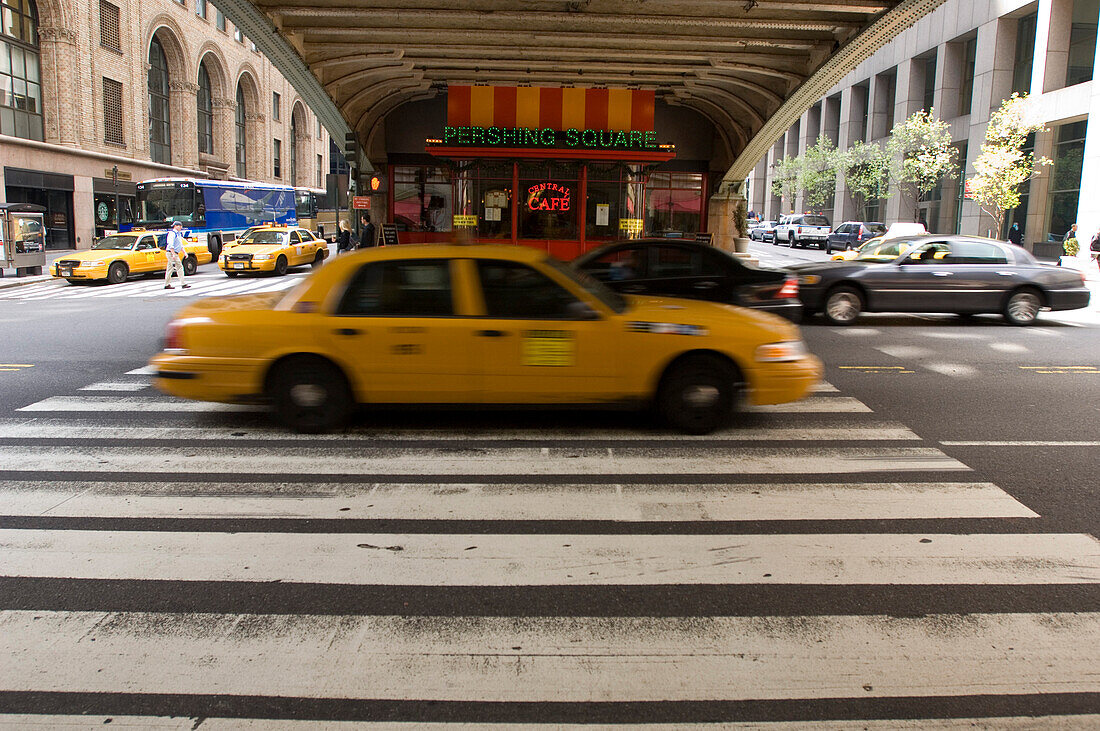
722,218
844,208
1042,37
1059,24
759,188
257,147
1088,208
57,69
185,141
949,69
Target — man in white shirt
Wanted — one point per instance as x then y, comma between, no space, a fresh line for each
175,253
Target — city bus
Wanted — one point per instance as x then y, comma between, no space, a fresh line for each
314,212
213,211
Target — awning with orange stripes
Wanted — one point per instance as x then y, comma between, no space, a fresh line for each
555,108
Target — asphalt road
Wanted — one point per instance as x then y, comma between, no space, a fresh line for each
916,541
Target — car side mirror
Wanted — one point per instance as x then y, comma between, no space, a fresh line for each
578,310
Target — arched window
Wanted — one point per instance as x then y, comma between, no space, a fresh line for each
205,112
242,160
20,84
293,149
160,121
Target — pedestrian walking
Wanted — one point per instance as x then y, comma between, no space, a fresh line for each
368,232
343,237
1094,248
1014,234
175,253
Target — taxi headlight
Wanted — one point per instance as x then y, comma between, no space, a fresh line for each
93,264
779,352
809,279
261,257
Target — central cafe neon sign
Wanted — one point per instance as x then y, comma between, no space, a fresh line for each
548,197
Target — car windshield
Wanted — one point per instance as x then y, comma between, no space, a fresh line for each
815,221
882,250
594,287
263,238
115,242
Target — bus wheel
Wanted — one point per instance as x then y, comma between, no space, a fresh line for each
215,246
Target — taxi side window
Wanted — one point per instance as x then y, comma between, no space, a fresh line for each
516,291
416,288
619,265
295,238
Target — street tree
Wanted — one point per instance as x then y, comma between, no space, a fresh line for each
785,177
921,155
1003,165
817,173
866,169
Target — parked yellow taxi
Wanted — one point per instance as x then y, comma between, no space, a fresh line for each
119,256
440,324
272,249
876,249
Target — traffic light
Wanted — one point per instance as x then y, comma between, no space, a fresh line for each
351,149
377,183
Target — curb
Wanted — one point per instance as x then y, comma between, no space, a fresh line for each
8,283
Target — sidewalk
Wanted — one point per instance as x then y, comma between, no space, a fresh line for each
10,280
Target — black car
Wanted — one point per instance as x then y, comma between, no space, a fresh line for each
955,274
852,234
687,269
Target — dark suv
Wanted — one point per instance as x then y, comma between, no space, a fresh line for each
851,234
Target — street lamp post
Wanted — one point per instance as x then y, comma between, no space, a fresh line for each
118,213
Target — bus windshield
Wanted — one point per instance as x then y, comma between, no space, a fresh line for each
304,203
164,203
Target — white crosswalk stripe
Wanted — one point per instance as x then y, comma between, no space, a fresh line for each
207,283
179,559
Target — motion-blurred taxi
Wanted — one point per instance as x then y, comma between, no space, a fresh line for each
481,325
119,256
272,249
876,249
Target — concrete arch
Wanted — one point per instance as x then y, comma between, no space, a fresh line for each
217,68
182,86
300,139
173,40
223,97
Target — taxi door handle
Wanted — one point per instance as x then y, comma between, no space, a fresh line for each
491,333
706,285
941,274
346,331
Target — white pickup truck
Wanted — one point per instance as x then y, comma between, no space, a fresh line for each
802,230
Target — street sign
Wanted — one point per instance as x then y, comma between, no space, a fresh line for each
361,202
389,234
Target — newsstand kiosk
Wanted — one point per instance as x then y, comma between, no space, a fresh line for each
22,238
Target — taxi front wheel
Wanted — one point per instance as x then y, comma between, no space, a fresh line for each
696,396
190,265
310,395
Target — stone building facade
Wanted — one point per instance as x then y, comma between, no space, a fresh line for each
156,88
962,60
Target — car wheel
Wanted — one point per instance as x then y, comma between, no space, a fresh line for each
280,266
828,247
1022,307
696,396
310,395
318,260
843,305
215,246
791,241
117,272
190,265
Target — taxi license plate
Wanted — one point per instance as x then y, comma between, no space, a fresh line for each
238,266
65,272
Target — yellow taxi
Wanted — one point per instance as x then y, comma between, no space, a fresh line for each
434,324
272,249
876,249
121,255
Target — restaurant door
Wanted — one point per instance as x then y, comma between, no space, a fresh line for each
52,191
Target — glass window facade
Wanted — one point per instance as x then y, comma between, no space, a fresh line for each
966,89
929,83
1065,181
1025,53
546,200
673,204
613,209
205,108
160,119
20,85
1082,41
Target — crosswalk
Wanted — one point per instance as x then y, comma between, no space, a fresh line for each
206,283
162,559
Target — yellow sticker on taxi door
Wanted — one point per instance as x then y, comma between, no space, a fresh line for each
549,348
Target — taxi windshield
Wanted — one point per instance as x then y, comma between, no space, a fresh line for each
114,242
593,286
263,238
886,250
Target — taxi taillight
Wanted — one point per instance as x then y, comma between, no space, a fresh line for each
173,337
789,288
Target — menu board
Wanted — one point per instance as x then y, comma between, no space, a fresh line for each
389,234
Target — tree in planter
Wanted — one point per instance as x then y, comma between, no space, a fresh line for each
785,179
1003,166
921,155
817,173
866,170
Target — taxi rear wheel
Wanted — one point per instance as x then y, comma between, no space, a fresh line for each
696,395
280,266
190,265
318,260
117,272
310,395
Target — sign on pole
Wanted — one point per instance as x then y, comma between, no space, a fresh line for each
360,202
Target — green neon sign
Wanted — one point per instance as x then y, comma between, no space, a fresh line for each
595,139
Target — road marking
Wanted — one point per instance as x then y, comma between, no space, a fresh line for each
518,461
1063,370
1010,347
814,405
143,371
957,370
878,369
905,352
548,659
14,367
519,501
425,559
1021,443
41,428
117,386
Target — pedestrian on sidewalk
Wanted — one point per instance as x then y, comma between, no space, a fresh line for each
368,232
1014,235
343,238
175,253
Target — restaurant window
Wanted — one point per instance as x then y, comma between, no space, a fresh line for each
422,198
1025,53
1082,41
613,209
673,204
1065,180
20,87
546,200
484,190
